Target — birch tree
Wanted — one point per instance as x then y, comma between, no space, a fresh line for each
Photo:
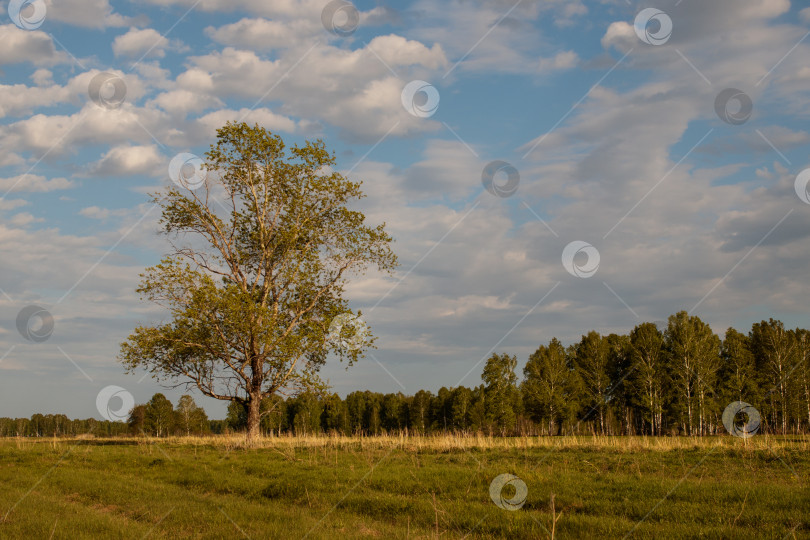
649,376
591,358
694,358
774,351
261,254
548,385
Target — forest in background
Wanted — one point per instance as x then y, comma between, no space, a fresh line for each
673,380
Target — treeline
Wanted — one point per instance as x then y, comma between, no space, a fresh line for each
158,417
655,380
677,379
59,425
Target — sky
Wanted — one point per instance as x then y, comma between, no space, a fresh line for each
546,168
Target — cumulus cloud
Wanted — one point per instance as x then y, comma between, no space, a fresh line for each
23,219
353,90
42,77
620,34
144,42
85,13
19,99
95,212
264,34
287,9
129,160
140,41
11,204
262,116
33,183
182,102
496,37
54,135
27,46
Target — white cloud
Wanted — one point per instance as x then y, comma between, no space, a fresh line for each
262,116
27,46
19,99
182,102
85,13
492,37
561,60
398,51
286,9
353,90
24,219
146,42
264,34
95,212
620,34
448,170
33,183
59,135
42,77
126,160
11,204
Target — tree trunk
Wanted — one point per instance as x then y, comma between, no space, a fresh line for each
783,392
689,409
807,401
601,420
657,414
254,419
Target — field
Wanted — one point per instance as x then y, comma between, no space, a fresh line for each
392,487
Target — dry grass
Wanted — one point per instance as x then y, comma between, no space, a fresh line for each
450,442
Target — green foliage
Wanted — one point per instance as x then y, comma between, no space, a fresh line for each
335,416
551,386
739,380
304,412
501,395
461,409
251,290
137,419
159,416
777,356
649,376
189,418
419,411
236,417
58,425
274,414
592,361
694,359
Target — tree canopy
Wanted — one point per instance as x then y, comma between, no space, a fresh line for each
254,285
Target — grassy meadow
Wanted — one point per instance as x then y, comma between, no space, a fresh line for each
405,487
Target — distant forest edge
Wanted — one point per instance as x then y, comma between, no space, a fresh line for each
672,380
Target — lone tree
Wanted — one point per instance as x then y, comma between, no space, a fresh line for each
263,243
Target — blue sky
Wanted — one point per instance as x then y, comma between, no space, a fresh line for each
615,135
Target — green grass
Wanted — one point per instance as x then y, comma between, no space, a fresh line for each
404,488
